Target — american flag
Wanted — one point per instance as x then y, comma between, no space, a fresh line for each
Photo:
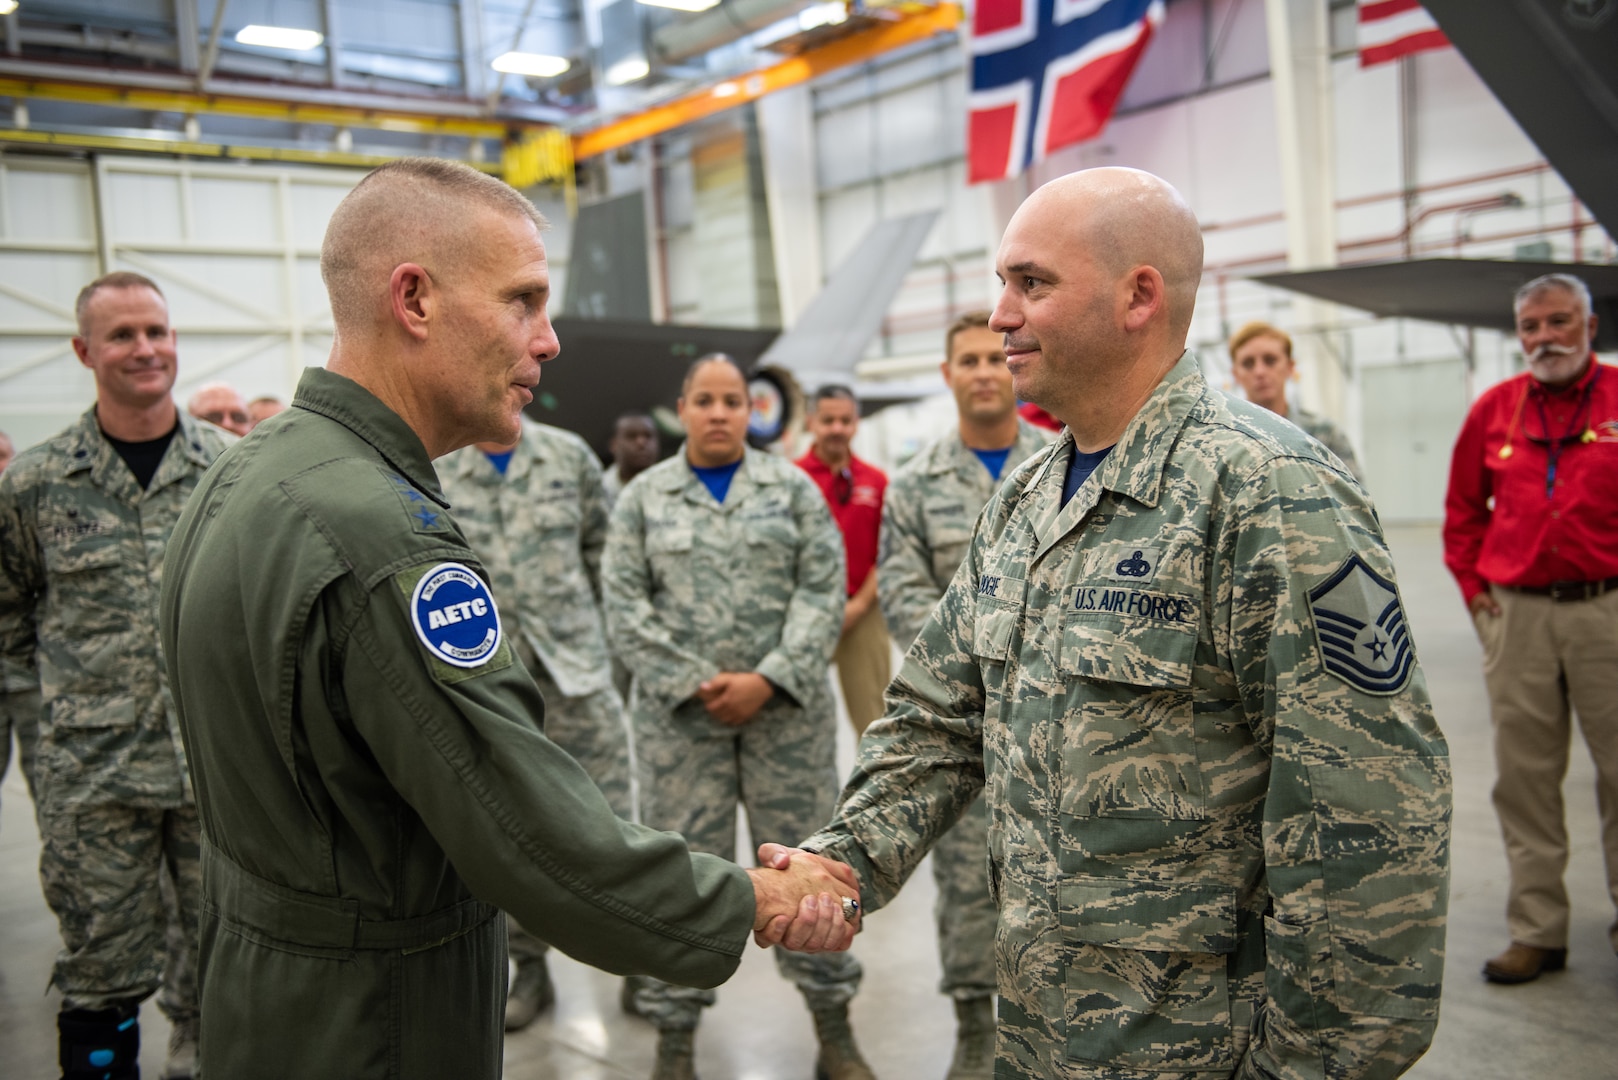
1390,29
1046,74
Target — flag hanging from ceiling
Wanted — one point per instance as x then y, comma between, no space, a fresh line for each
1046,74
1390,29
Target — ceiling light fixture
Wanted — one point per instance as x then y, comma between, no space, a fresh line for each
627,71
279,37
681,5
7,6
527,63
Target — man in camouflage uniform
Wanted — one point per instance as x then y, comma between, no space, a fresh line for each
534,514
1261,360
927,521
1219,805
84,521
724,585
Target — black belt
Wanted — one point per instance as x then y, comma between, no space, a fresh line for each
1568,592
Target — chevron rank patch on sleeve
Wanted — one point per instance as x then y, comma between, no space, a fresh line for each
1361,629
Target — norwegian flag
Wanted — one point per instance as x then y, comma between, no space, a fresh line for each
1046,74
1390,29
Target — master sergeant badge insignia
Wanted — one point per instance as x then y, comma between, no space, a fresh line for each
1360,625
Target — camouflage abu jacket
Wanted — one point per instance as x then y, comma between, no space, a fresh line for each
694,587
539,531
81,563
1219,804
932,503
1330,436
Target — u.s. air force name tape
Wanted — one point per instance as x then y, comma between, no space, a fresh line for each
455,617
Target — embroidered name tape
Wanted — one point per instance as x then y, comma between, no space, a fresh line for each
455,617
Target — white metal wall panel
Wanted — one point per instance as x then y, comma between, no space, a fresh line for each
236,250
47,253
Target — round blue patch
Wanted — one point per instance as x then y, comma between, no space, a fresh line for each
454,616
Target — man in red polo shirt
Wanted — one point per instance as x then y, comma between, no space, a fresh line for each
853,489
1539,571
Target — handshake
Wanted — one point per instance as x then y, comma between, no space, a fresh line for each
800,900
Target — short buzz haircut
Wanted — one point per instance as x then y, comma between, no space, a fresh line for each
1545,282
968,321
712,358
1257,329
118,279
265,399
415,191
831,392
633,414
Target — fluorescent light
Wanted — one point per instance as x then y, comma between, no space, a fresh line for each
726,89
830,14
627,71
279,37
527,63
681,5
7,6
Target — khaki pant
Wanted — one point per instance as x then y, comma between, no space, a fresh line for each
864,659
1543,660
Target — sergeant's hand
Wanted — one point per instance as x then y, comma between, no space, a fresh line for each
800,906
735,697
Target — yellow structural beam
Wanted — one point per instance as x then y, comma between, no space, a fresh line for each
853,49
184,148
293,112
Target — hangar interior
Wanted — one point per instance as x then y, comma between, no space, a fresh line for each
757,143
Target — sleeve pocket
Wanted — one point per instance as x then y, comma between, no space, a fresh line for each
1384,828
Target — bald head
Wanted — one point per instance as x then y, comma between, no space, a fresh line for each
1123,219
414,210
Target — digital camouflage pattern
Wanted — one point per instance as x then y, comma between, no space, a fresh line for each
539,530
932,504
367,808
1330,436
82,551
692,588
1211,855
81,566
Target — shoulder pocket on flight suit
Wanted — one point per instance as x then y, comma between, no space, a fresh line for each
1129,740
1147,984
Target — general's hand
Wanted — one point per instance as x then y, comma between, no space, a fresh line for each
800,906
1484,601
733,697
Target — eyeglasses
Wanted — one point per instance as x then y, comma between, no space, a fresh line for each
842,486
224,417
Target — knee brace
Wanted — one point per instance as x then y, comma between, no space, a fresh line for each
100,1044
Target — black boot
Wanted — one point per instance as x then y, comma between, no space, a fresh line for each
100,1044
531,993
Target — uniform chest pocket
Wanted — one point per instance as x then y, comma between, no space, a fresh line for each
87,597
555,512
772,542
668,553
1129,745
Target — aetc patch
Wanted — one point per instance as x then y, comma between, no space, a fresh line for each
1360,624
454,616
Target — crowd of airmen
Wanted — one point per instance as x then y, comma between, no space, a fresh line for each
692,607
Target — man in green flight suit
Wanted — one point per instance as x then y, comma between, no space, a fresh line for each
1176,664
371,775
927,520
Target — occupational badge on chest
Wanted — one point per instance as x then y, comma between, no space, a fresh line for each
1361,629
454,616
1129,564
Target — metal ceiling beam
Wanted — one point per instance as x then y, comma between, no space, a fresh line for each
732,19
186,31
177,93
212,54
76,141
853,49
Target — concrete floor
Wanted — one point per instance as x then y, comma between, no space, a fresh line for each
1563,1026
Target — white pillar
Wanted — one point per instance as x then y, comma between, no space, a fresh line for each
1300,73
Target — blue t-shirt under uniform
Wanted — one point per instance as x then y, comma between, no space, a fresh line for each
993,460
1079,470
501,461
717,479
